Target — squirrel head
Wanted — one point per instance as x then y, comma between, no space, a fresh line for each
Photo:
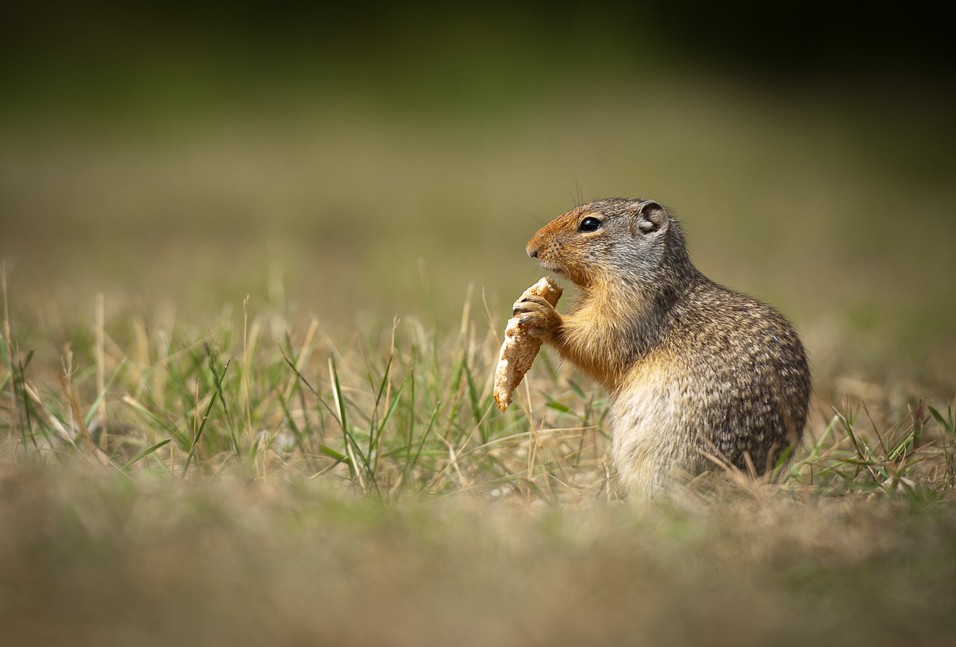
630,239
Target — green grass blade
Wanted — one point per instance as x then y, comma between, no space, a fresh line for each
331,453
204,420
88,418
352,448
410,464
218,383
146,452
301,377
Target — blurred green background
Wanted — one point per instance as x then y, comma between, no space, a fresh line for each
370,160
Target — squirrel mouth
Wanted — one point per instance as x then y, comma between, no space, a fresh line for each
560,271
551,268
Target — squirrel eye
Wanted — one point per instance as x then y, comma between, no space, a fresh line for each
589,224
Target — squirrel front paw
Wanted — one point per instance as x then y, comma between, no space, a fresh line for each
537,316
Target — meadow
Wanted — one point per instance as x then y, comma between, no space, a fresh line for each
245,388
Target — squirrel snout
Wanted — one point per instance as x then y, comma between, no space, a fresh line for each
532,250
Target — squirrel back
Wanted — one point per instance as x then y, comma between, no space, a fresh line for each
698,374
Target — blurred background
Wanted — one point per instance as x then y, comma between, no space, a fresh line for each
368,160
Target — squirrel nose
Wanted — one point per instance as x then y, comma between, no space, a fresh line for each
532,250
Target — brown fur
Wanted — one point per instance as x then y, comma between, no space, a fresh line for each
695,371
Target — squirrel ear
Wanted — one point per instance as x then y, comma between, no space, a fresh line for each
651,216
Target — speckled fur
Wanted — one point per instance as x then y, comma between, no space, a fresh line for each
694,370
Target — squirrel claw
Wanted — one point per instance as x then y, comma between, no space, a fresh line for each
527,303
537,316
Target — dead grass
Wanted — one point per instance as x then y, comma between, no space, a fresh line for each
97,559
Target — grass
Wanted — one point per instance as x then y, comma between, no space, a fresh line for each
262,482
237,407
401,410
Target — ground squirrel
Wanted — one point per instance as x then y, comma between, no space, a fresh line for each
694,370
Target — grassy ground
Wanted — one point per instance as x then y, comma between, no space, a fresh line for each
259,483
321,459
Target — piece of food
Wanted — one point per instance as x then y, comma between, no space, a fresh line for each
519,348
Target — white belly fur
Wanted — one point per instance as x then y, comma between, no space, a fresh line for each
649,436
